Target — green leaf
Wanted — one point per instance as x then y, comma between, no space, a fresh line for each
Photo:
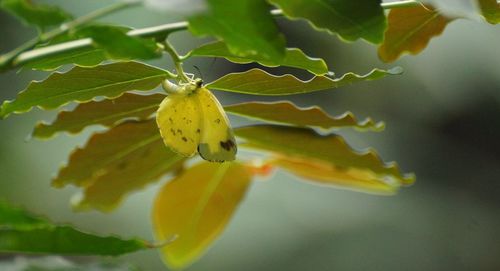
31,14
195,207
331,149
27,233
410,30
11,216
351,20
287,113
294,57
246,26
84,84
82,57
259,82
114,163
119,45
490,10
106,113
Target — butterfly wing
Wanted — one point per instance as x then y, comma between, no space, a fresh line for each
217,141
178,118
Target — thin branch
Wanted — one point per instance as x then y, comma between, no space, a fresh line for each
11,59
177,61
23,54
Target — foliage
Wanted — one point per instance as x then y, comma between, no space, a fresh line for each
111,88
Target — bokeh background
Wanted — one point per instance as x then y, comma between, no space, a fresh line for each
443,123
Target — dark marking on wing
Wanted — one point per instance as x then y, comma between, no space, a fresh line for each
227,145
179,131
217,121
184,139
171,120
198,131
173,131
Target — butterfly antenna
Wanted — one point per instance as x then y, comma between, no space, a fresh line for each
199,71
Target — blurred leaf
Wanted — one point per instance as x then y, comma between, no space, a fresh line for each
58,263
294,57
350,19
246,26
11,216
105,112
112,150
410,30
287,113
84,84
259,82
326,173
331,149
31,14
33,234
196,207
119,45
134,171
490,10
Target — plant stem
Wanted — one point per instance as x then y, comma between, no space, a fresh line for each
9,60
181,76
24,53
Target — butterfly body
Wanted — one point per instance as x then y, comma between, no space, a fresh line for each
192,120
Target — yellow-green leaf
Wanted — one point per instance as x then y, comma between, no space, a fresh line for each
259,82
410,30
84,84
105,112
294,57
490,10
327,173
195,207
307,144
285,112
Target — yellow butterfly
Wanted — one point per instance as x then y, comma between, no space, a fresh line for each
192,120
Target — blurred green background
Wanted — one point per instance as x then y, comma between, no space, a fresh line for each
443,123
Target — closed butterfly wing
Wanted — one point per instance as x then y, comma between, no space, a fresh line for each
217,139
178,118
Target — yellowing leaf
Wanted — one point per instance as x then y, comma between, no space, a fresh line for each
196,207
326,173
490,10
105,112
410,30
285,112
259,82
116,162
308,145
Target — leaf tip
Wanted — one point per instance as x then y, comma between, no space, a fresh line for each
396,70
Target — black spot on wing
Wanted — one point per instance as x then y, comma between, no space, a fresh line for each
227,145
